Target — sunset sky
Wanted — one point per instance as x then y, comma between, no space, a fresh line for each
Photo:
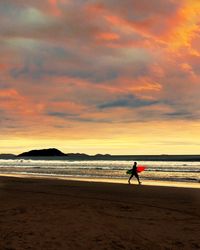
100,76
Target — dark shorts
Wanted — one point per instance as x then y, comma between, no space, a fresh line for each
134,174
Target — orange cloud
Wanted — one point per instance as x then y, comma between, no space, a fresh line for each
95,8
106,36
9,93
54,7
175,29
184,26
117,21
3,66
19,107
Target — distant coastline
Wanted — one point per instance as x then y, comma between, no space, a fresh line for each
55,153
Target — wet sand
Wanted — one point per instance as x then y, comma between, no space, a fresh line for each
38,213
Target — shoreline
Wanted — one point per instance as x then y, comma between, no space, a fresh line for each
107,180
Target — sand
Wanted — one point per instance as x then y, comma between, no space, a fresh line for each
46,214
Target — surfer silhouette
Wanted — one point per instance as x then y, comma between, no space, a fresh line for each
134,173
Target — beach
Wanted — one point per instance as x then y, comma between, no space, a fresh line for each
50,213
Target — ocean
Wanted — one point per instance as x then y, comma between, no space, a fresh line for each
173,171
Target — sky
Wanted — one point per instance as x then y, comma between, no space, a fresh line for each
100,76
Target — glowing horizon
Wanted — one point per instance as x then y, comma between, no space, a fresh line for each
100,76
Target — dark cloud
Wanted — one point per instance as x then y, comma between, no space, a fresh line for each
61,114
78,117
178,115
129,101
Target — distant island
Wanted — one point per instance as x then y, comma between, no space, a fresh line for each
7,156
55,153
42,153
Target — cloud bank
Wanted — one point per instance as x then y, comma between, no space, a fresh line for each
71,63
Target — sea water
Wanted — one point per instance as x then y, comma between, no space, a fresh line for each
173,171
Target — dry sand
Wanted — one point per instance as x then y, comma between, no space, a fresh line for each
55,214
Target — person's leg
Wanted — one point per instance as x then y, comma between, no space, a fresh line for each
130,179
138,179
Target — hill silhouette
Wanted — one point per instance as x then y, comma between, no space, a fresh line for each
42,153
7,156
53,152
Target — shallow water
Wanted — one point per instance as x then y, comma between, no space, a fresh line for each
155,170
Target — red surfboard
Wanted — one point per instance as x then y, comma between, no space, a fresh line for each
140,169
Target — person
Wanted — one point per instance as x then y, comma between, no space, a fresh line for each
134,173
